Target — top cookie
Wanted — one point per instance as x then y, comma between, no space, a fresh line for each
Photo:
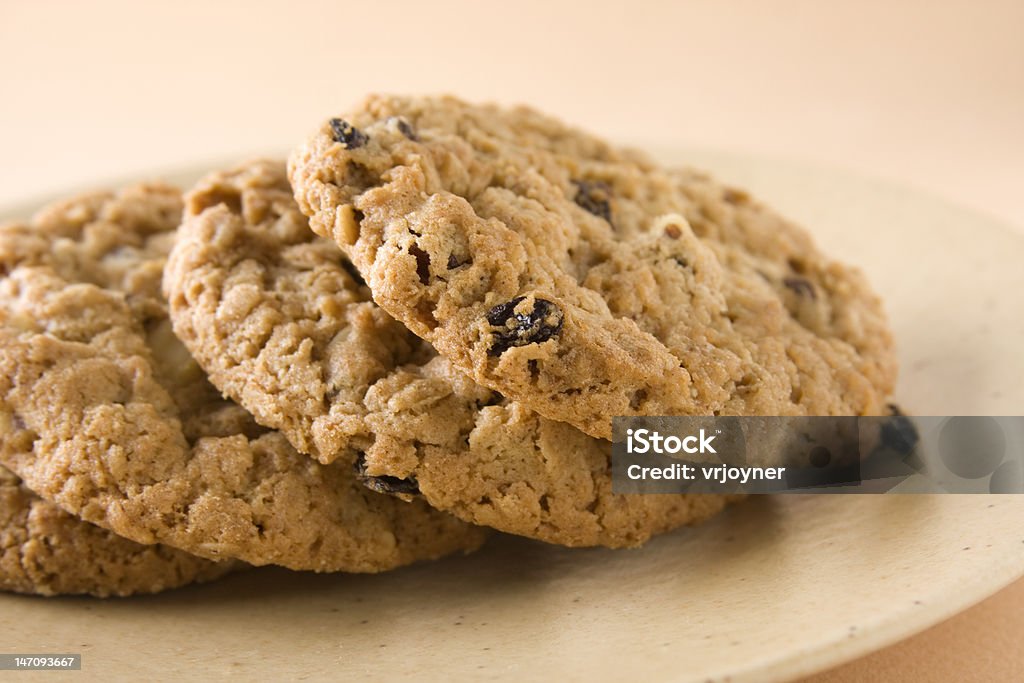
280,322
583,280
127,433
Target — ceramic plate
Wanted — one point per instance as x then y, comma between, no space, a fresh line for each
773,589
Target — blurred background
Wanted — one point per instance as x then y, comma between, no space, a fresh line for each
925,93
928,94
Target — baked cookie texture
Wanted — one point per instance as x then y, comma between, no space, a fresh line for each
282,323
46,551
583,280
121,428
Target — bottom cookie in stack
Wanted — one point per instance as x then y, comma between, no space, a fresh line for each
46,551
122,429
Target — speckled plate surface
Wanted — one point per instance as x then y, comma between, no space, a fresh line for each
773,589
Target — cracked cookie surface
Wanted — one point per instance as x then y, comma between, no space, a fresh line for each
127,433
282,323
46,551
582,280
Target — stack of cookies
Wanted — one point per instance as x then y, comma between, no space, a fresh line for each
415,330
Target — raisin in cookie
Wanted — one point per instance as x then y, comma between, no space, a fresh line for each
282,323
584,280
46,551
127,433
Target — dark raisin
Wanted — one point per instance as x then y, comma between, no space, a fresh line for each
537,325
384,483
347,134
673,231
405,129
801,286
594,196
356,276
422,263
898,432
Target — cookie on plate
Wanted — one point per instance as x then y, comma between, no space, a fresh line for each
282,323
46,551
583,280
127,433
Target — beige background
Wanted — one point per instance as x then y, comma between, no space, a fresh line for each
929,94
